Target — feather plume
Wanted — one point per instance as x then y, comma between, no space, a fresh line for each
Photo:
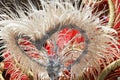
39,26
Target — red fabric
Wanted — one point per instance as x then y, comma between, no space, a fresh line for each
66,35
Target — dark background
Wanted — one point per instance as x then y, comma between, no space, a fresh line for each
11,3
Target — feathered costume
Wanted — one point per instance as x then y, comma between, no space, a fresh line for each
60,40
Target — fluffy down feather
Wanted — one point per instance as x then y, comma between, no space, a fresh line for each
56,15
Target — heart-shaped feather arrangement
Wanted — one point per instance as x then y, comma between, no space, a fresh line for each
61,40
